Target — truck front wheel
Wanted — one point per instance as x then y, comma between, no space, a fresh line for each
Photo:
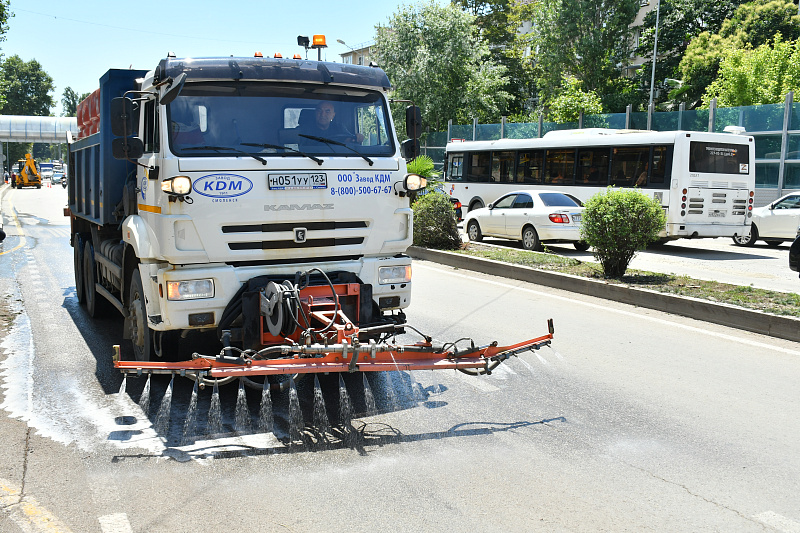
141,336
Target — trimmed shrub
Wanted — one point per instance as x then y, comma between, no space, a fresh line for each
619,222
435,222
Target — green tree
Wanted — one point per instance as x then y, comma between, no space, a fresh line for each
756,76
619,222
28,90
70,101
432,56
567,106
496,29
680,21
750,26
588,39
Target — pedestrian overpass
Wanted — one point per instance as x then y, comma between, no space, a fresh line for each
21,129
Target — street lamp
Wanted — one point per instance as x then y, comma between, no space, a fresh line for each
350,47
655,53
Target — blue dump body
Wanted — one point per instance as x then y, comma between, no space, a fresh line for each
97,179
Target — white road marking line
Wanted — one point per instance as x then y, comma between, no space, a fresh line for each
779,522
115,523
693,329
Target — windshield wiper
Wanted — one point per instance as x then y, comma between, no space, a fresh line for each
218,148
331,141
279,147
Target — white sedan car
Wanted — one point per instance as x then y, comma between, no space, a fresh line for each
533,217
774,223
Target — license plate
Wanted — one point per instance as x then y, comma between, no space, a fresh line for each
280,182
717,213
576,218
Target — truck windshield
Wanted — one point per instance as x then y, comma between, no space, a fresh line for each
283,120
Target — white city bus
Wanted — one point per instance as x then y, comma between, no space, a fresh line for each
704,181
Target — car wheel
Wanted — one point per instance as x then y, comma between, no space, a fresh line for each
749,239
774,244
474,231
581,246
530,239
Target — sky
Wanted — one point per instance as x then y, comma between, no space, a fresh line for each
77,41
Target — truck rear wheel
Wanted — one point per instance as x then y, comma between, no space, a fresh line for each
77,260
96,305
141,336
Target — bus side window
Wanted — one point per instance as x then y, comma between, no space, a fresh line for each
456,167
502,167
661,165
480,169
627,164
593,167
560,167
529,167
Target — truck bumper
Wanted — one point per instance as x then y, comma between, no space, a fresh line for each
201,313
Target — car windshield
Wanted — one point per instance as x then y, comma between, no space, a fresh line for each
557,199
292,120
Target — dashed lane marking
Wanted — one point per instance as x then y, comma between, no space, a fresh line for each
115,523
26,512
779,522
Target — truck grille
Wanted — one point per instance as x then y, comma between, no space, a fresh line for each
269,229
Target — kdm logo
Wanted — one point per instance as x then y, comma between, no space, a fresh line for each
222,186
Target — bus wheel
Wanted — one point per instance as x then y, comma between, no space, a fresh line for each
581,246
474,231
530,239
477,204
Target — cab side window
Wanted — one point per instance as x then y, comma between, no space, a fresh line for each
150,132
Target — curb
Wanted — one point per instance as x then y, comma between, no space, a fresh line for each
717,313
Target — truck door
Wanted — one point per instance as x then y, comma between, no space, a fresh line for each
152,154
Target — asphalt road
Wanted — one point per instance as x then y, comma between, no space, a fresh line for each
636,421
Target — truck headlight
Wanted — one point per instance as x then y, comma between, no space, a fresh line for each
414,182
193,289
178,185
395,274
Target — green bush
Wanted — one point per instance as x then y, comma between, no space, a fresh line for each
435,222
619,222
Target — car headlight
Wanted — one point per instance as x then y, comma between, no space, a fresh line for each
178,185
193,289
395,274
414,182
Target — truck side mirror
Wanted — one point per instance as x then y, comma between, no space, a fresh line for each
174,89
409,149
413,122
127,148
122,117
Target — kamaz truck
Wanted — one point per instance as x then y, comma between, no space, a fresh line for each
265,200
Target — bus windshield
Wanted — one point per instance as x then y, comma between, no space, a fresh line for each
209,119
